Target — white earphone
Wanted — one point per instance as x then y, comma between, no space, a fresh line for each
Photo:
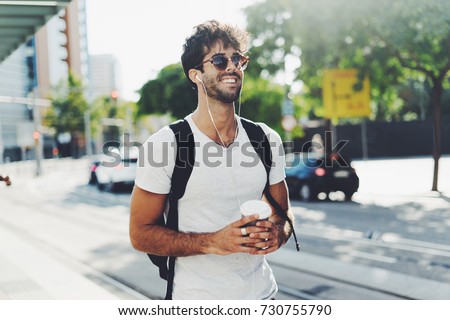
196,77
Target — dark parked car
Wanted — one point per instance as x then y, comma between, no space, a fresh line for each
307,176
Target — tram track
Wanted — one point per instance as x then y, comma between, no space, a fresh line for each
104,212
384,240
128,288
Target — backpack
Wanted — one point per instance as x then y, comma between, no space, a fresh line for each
184,163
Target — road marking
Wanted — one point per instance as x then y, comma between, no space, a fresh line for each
333,233
299,294
371,256
394,238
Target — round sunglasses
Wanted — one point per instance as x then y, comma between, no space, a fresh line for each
220,62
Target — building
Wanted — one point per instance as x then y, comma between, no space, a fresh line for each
14,82
35,68
104,75
61,45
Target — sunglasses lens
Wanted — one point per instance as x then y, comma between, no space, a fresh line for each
240,61
220,62
236,61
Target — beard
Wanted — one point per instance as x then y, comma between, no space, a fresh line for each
216,93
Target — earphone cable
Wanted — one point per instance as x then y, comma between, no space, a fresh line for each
232,175
214,123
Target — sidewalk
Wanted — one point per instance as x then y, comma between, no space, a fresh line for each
28,272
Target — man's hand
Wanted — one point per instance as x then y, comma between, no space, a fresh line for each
270,240
235,238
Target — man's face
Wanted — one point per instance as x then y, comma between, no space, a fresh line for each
224,86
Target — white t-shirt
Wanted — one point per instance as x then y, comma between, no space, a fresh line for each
222,179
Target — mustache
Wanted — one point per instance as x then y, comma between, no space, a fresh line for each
230,74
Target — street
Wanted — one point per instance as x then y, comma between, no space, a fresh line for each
393,224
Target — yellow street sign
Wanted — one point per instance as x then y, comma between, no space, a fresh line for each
339,97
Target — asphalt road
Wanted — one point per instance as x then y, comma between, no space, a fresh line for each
392,224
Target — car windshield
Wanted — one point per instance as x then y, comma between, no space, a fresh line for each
303,160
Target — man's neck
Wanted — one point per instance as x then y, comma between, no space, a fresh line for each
224,120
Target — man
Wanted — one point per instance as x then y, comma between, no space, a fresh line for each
217,258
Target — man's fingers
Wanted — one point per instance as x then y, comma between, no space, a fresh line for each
244,220
265,224
260,235
254,229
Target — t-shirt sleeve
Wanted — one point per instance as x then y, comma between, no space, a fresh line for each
277,172
156,162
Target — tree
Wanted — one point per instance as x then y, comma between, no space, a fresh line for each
417,34
108,107
68,105
321,34
389,40
261,102
170,93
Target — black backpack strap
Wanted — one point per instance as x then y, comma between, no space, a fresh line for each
259,141
261,144
281,213
185,157
184,163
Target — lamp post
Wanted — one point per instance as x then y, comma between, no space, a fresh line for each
37,134
87,132
30,58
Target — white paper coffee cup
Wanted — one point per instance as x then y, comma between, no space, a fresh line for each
259,207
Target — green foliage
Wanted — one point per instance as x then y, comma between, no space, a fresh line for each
106,107
170,93
391,41
261,102
66,113
416,98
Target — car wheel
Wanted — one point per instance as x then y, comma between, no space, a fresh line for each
101,186
93,179
110,187
348,196
306,193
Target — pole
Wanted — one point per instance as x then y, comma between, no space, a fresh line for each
87,132
129,123
365,150
328,138
38,136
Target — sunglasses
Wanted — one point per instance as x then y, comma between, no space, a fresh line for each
220,62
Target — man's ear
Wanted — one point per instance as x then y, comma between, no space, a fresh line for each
194,76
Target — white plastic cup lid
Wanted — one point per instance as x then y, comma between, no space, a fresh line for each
256,207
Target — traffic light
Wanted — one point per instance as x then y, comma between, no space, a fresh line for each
36,135
30,62
30,67
114,95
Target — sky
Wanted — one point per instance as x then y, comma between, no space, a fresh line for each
147,35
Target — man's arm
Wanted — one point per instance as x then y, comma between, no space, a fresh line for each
280,193
146,236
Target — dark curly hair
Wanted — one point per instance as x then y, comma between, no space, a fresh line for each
205,36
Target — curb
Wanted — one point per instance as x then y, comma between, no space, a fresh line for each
399,284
